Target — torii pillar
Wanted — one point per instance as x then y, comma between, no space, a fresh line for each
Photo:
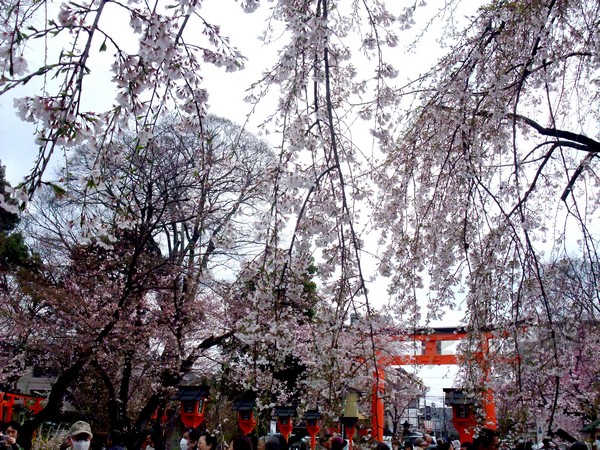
430,355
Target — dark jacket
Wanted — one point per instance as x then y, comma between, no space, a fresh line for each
6,446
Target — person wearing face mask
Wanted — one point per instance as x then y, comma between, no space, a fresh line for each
183,443
80,435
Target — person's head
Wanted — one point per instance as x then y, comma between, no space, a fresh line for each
240,442
408,445
80,435
466,445
183,443
578,446
193,439
486,440
420,442
272,443
207,441
546,442
326,441
337,443
115,438
382,446
12,429
428,439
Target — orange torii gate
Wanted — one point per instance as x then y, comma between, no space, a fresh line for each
9,400
431,340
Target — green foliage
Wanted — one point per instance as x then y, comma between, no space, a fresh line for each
13,250
8,220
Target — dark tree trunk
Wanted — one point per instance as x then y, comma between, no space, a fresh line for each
54,403
113,411
123,422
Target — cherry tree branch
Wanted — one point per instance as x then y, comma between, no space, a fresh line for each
572,139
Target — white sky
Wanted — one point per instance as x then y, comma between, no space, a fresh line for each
226,90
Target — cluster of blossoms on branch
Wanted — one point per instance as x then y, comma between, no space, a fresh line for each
466,169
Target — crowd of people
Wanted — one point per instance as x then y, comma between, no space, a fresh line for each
79,437
487,439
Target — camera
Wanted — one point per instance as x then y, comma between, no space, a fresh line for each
6,437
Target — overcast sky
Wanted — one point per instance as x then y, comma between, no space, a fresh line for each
226,90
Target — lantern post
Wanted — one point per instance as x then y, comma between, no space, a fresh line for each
463,415
284,415
311,417
245,410
350,417
193,400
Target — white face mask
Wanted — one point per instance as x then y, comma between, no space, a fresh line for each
148,447
183,444
81,445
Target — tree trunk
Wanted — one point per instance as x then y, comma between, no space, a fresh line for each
55,401
123,420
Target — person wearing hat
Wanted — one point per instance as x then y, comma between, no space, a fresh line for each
80,435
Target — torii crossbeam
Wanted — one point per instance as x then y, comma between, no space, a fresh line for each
431,355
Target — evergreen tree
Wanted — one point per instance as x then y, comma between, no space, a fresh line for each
14,252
